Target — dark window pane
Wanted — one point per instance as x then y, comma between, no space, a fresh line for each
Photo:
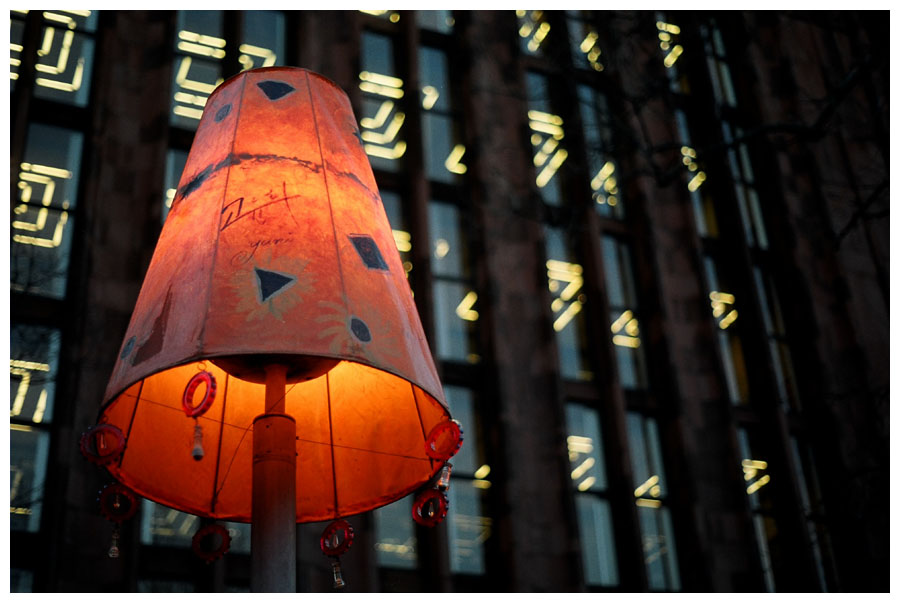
455,317
165,526
595,529
28,450
440,21
175,162
395,536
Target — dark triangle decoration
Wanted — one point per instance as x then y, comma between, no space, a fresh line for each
271,283
275,90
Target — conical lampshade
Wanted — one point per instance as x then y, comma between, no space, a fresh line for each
277,250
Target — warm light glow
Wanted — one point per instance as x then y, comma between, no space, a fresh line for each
431,96
452,163
668,27
758,484
268,56
586,484
550,169
441,248
191,36
482,472
481,484
566,317
626,342
623,318
403,240
384,111
23,370
464,309
580,444
648,502
17,427
583,468
588,42
389,134
673,56
728,319
649,483
696,181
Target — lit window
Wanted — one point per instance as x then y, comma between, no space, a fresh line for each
602,167
702,203
588,473
533,31
381,124
164,526
668,35
441,21
625,328
200,46
584,41
756,481
34,355
444,153
547,135
65,54
565,279
42,219
262,42
660,555
455,299
467,526
725,314
199,49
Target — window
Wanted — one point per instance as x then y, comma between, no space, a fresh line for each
602,167
443,150
200,48
381,123
467,526
756,478
42,220
533,31
723,302
440,21
583,41
624,313
565,278
65,56
650,497
455,299
546,136
588,473
163,526
34,357
395,535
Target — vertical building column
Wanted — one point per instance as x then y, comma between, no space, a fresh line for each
121,204
534,530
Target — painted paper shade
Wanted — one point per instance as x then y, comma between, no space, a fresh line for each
277,250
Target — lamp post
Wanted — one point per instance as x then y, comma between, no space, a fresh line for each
275,330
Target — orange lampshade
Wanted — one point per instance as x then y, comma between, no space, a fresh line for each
277,250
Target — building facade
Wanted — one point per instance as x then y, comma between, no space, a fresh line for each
650,252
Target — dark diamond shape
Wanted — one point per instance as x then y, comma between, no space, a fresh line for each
275,90
223,112
271,283
129,345
360,330
368,251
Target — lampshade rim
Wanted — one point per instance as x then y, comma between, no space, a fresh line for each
211,357
390,499
275,68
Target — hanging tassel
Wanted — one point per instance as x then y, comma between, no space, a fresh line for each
197,452
444,481
114,549
338,578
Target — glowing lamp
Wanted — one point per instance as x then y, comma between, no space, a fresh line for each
274,343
